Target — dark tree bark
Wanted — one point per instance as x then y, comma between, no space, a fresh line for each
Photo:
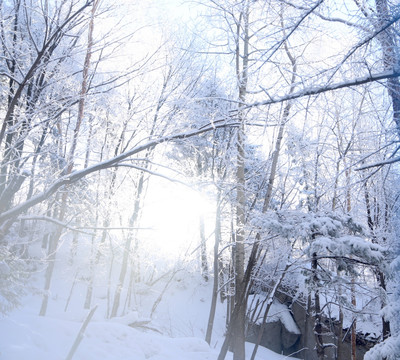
317,310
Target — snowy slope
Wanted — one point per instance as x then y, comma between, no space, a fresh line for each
175,332
44,338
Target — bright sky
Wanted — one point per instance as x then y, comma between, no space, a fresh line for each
171,210
173,213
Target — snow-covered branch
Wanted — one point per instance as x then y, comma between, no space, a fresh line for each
80,174
57,222
380,163
141,168
315,90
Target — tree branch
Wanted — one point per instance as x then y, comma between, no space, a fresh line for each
380,163
314,90
79,174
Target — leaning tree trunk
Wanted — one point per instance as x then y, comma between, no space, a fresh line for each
269,302
216,269
272,175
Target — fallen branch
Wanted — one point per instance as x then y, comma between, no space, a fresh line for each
80,334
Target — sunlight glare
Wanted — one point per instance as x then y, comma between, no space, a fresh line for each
173,213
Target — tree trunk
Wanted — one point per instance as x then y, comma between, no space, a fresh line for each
339,344
269,303
391,58
378,272
271,180
55,241
211,317
8,169
84,86
354,324
317,311
127,247
203,248
239,324
51,258
239,317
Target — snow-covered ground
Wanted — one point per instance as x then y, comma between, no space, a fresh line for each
32,337
175,331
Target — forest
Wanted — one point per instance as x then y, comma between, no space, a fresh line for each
242,153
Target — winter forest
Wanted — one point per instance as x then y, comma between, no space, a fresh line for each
199,179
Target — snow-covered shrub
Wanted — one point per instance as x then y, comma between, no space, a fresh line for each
13,276
389,349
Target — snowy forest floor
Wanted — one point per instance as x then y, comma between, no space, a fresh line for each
175,331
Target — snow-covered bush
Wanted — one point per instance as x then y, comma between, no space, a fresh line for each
14,273
390,348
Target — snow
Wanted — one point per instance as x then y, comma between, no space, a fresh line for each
45,338
278,312
50,338
281,312
175,332
389,349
